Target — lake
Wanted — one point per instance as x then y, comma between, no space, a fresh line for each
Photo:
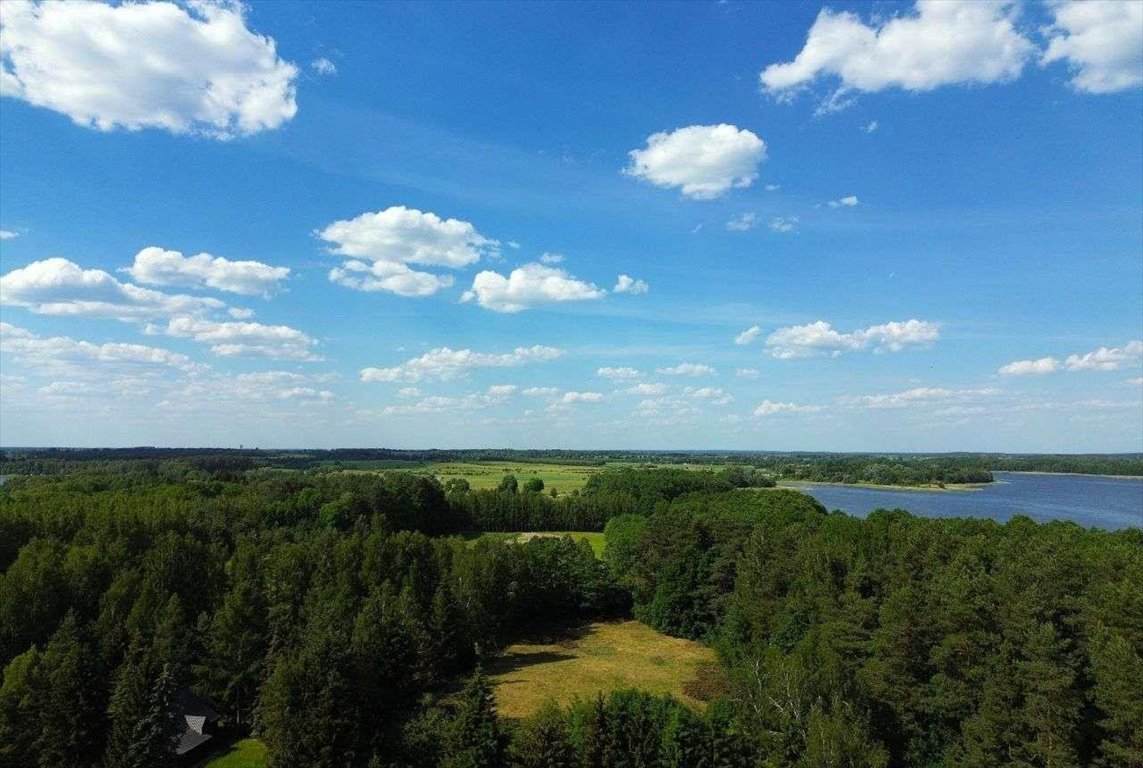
1102,502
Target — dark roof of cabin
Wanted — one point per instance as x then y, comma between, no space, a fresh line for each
189,740
189,704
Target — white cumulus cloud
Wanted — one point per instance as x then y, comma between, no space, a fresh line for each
185,68
7,234
742,222
783,224
528,286
46,352
618,374
1030,367
1107,358
155,266
771,408
941,42
687,369
382,244
703,161
715,395
747,373
747,336
1101,41
644,389
820,338
921,396
627,284
244,339
846,202
324,66
391,276
57,286
581,397
443,363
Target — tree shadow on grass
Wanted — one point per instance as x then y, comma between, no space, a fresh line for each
513,662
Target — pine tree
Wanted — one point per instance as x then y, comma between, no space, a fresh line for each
17,737
154,735
66,700
543,741
1051,705
475,739
129,702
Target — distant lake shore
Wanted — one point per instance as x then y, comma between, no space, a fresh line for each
1099,501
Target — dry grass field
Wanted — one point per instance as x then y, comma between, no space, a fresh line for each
595,658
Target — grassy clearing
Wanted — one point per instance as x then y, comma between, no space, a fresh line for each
247,753
595,658
595,538
563,477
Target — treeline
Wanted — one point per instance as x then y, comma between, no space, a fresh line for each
887,469
913,642
879,470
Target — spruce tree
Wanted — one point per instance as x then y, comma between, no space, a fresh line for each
475,739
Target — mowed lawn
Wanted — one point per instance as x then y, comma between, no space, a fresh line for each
594,538
247,753
598,657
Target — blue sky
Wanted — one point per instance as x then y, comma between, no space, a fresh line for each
840,227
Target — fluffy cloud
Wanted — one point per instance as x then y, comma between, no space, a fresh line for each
742,222
7,234
193,68
747,336
581,397
942,42
770,408
747,373
644,389
618,374
243,339
715,395
626,284
60,287
502,390
1102,42
846,202
406,235
703,161
821,339
550,258
391,239
155,266
389,276
1030,367
1107,359
444,363
783,224
919,396
529,286
687,369
540,392
324,66
47,354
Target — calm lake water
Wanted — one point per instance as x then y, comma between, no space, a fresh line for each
1102,502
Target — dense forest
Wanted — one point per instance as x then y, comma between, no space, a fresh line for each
343,619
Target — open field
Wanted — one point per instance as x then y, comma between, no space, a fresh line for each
595,538
594,658
247,753
563,477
